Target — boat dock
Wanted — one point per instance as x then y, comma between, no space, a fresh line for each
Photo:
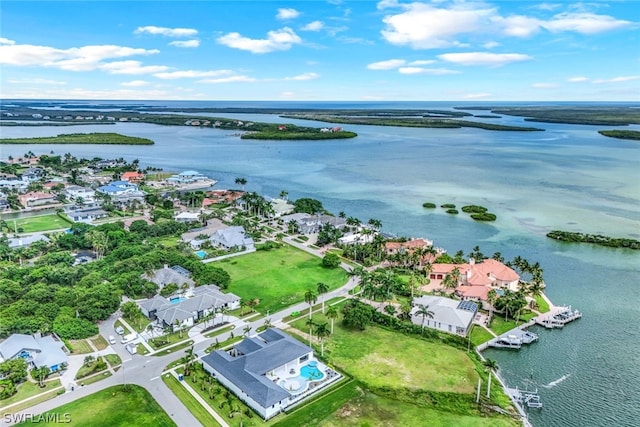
524,397
558,317
514,339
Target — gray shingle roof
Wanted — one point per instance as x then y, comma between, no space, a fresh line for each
269,350
13,345
445,310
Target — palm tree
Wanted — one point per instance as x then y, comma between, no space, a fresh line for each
284,194
150,330
322,332
322,289
310,298
332,313
491,365
311,324
390,309
267,323
223,311
423,310
246,330
241,181
492,295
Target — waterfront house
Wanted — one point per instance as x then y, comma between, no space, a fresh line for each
32,174
117,188
393,248
187,177
268,371
449,315
187,217
133,177
281,207
36,350
308,224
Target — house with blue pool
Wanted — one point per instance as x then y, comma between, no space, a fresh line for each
270,372
36,350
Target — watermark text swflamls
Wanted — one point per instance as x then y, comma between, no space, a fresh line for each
53,418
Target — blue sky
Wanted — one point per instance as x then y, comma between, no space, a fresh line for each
390,50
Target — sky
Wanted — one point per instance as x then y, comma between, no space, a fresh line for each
332,50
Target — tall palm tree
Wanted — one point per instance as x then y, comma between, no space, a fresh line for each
322,332
310,324
322,289
332,314
491,365
246,330
492,295
310,298
267,323
284,194
423,310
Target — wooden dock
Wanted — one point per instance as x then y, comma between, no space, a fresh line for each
558,317
524,397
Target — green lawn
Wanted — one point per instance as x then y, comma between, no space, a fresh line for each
279,277
479,335
381,358
95,378
167,339
40,223
113,360
99,342
499,325
371,410
114,407
175,348
80,347
28,389
196,409
543,305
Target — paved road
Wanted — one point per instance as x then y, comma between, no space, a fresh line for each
145,370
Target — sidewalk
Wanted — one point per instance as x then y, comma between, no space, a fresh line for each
141,340
201,401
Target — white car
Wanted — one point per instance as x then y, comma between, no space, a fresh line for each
119,330
112,339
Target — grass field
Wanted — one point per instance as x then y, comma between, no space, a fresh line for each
28,389
371,410
280,277
479,335
543,305
39,223
196,409
80,347
114,407
381,358
99,342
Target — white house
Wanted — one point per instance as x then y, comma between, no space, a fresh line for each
269,372
23,242
232,237
36,350
449,315
74,191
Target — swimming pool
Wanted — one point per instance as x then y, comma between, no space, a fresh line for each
311,372
308,374
201,254
176,300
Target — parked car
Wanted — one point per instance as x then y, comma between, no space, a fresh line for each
119,330
112,339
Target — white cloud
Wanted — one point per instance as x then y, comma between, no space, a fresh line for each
577,79
547,6
484,58
421,62
490,45
387,4
6,41
192,74
431,71
37,81
287,14
303,77
584,23
389,64
282,39
620,79
544,85
167,32
85,58
231,79
131,67
313,26
423,26
518,25
134,83
480,95
185,43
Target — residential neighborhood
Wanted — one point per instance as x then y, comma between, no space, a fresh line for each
230,288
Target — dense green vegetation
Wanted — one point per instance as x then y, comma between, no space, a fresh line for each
621,134
117,406
597,115
429,205
474,209
596,239
448,206
484,216
81,138
52,294
452,211
419,122
292,132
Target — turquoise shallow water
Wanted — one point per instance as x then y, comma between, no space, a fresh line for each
567,177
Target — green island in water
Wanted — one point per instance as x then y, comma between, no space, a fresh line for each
596,239
81,138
